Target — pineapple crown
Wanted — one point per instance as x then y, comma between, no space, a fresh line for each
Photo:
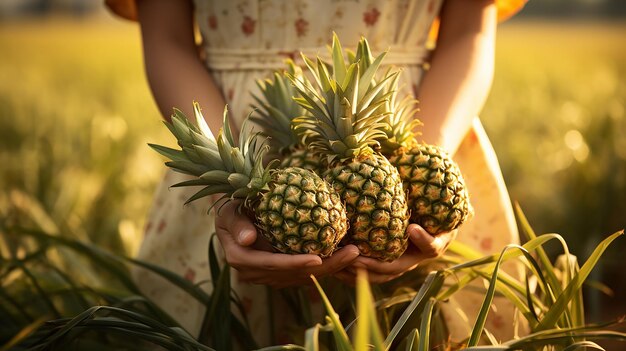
400,121
221,166
276,108
345,118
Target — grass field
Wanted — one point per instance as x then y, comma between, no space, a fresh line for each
76,114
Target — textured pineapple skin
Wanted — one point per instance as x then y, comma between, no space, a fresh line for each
375,203
437,196
301,213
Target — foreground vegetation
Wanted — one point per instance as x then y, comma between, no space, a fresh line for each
77,177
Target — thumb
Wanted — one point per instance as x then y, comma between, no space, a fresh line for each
238,225
425,242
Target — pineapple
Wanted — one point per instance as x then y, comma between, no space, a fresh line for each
294,208
437,196
343,125
275,111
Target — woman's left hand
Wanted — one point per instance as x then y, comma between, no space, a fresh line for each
422,246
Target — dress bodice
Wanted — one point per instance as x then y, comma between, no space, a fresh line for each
279,25
260,34
244,40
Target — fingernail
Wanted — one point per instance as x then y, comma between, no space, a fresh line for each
437,243
245,236
413,230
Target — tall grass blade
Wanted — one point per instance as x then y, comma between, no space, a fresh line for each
412,341
568,264
311,338
288,347
538,342
477,330
541,253
368,331
560,306
40,291
100,257
24,333
218,313
424,340
430,288
67,327
584,346
142,327
341,337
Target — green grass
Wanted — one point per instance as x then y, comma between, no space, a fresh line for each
76,117
556,116
76,114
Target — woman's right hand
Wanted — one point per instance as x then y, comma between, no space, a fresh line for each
252,256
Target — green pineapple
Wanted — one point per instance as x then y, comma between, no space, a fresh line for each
437,196
294,208
343,125
275,111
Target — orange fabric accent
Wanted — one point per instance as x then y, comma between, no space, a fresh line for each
124,8
507,8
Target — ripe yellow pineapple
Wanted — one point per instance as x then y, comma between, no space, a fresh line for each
437,196
294,208
342,123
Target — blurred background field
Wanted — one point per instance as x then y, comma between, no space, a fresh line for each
76,114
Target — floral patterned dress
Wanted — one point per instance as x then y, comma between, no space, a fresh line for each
244,40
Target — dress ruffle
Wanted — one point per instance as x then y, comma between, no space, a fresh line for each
128,9
508,8
124,8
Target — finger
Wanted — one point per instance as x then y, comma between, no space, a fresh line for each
411,258
429,245
271,261
339,260
374,265
242,257
237,224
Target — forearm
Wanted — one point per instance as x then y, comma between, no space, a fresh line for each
456,87
176,75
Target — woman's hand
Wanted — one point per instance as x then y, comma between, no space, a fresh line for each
251,255
422,246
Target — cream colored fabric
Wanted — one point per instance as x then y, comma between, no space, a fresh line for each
244,40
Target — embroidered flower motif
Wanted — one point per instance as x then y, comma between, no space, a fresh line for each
302,26
213,22
161,226
486,244
230,94
497,321
247,26
289,54
190,275
371,17
431,7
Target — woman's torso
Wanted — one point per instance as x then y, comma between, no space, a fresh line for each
245,40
